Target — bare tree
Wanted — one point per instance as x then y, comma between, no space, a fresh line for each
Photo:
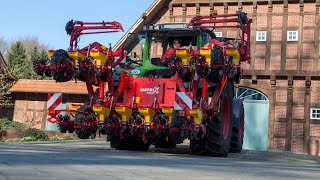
29,42
4,45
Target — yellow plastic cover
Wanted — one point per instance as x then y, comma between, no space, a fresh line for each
184,54
235,54
99,56
206,52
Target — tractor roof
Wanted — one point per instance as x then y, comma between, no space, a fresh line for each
172,30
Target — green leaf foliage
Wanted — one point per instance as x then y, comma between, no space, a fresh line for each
4,122
35,135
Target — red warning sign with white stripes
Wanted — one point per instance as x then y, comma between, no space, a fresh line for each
54,102
182,101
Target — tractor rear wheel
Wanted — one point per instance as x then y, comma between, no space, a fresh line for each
217,138
83,132
238,126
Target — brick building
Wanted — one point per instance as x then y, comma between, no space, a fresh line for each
285,59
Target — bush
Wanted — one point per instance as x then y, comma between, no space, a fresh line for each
33,134
4,122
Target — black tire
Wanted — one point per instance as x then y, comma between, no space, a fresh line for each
71,130
177,122
238,126
215,75
63,130
60,56
135,142
216,55
83,132
216,142
71,127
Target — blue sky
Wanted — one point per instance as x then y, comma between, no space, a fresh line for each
46,19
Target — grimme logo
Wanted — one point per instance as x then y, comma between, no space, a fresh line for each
154,90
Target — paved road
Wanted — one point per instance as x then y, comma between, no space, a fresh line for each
93,159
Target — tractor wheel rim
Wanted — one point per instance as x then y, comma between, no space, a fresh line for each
225,117
240,127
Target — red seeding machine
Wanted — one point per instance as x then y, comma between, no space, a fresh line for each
186,93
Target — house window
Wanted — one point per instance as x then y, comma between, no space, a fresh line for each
218,34
314,113
292,36
261,36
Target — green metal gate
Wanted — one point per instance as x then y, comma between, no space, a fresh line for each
256,115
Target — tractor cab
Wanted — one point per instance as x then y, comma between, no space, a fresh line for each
156,55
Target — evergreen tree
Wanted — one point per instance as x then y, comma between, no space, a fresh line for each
44,53
34,54
18,62
4,92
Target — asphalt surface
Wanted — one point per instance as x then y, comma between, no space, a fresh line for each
93,159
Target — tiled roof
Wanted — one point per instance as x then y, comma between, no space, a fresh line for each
49,86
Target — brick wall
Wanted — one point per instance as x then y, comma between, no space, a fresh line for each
308,20
298,97
280,128
259,64
293,20
277,8
260,50
308,35
292,50
291,64
279,143
281,112
262,21
315,130
276,36
298,112
275,63
281,96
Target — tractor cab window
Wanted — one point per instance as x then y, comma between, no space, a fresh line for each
182,42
